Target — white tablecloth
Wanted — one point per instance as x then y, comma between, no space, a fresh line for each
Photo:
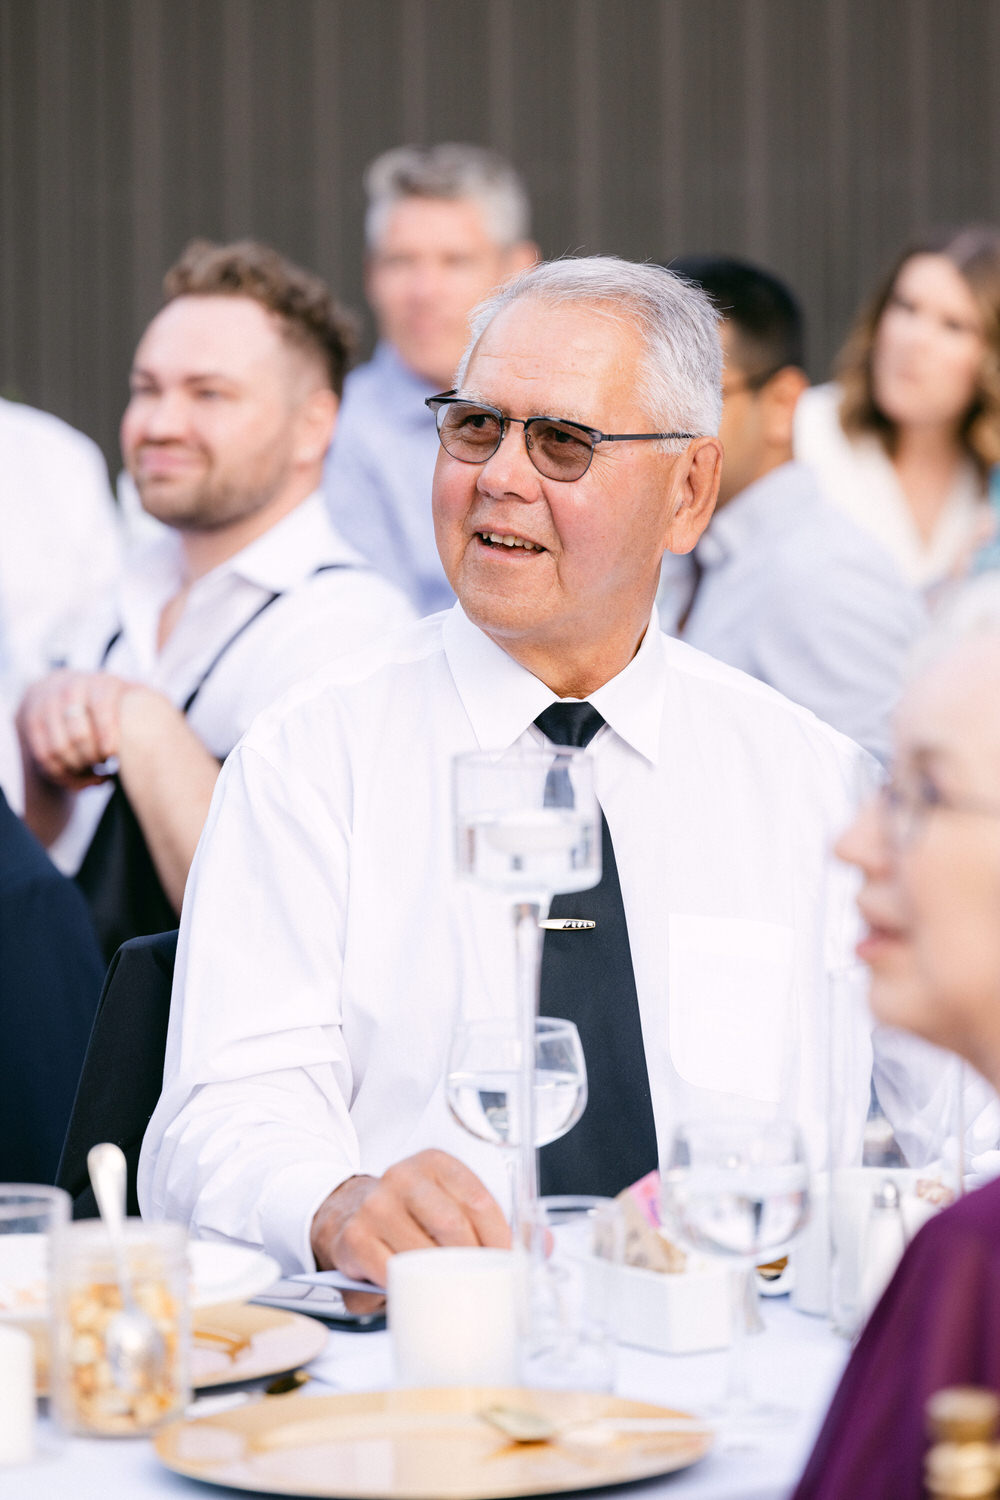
797,1363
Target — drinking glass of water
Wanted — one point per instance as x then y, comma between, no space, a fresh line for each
737,1189
484,1073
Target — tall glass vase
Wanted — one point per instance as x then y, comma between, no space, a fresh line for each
527,825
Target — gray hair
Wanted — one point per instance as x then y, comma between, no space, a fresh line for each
448,171
680,380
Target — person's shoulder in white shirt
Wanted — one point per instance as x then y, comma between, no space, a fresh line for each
61,548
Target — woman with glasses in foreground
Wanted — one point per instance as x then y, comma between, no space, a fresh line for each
929,853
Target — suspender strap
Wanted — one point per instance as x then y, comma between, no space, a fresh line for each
189,700
109,648
117,876
192,695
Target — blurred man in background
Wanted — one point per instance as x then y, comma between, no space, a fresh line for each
781,584
445,225
235,388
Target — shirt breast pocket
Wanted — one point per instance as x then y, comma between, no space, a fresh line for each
732,1019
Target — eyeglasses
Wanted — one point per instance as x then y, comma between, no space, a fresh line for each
908,808
561,450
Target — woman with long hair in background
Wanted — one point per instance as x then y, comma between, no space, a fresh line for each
904,440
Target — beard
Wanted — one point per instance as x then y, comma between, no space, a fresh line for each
209,500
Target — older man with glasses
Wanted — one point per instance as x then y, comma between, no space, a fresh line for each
303,1105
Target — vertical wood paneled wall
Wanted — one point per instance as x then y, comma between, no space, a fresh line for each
812,135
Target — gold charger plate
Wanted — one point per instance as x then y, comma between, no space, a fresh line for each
236,1341
417,1445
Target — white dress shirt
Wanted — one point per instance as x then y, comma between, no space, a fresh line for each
796,594
320,616
857,476
326,948
59,539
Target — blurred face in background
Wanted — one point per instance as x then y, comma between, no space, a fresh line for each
929,346
929,852
434,261
757,417
224,418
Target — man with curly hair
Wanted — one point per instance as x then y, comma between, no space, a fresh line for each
234,393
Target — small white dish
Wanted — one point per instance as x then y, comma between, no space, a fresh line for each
228,1273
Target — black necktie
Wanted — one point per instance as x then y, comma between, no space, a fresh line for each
587,978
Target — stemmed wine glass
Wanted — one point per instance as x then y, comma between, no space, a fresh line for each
484,1071
527,826
737,1188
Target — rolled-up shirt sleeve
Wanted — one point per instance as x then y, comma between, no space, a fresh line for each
252,1130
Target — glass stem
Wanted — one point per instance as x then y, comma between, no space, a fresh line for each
528,943
739,1397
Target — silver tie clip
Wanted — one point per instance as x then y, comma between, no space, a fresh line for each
567,924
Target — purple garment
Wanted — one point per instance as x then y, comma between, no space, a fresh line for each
938,1324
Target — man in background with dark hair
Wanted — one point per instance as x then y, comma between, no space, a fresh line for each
235,387
781,584
444,225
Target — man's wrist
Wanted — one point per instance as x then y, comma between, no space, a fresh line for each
327,1218
142,712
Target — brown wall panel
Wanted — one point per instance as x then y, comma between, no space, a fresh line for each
814,135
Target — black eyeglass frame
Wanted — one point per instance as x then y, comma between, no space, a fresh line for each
437,404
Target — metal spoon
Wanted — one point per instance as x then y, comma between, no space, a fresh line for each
210,1405
133,1344
523,1425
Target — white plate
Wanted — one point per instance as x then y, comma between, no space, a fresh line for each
219,1273
228,1273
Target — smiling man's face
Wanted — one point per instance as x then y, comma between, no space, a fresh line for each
563,575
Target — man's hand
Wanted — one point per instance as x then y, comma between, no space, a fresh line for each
428,1199
69,722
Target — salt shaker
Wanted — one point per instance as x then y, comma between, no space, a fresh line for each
885,1241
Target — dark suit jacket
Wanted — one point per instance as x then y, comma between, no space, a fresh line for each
123,1072
50,977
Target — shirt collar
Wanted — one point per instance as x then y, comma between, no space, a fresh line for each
290,551
502,698
746,514
280,560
